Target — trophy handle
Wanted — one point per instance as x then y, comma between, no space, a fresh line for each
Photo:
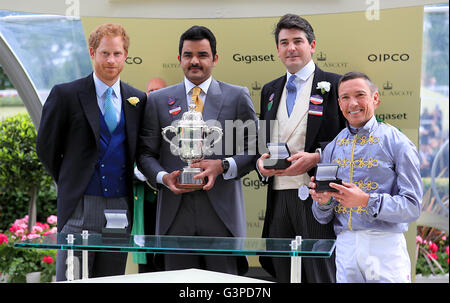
207,149
165,130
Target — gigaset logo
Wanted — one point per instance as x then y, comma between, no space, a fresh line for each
388,57
255,184
133,60
253,58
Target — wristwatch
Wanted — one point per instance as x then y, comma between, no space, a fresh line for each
225,165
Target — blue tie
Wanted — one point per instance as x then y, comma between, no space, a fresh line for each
110,112
291,95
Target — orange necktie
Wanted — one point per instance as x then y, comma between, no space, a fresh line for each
196,99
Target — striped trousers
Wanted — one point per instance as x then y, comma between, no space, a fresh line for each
89,215
293,217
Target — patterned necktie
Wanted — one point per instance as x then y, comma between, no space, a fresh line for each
291,95
110,112
196,99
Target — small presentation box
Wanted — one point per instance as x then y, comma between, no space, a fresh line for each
116,224
325,174
279,152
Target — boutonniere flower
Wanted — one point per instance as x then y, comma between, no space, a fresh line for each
324,86
133,100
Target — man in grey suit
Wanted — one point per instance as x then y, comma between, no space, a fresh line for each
217,210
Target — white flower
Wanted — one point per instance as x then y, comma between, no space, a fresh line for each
133,100
324,86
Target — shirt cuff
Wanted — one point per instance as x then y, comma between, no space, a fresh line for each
325,207
263,178
232,170
373,206
159,177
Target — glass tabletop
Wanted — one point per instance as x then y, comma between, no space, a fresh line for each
276,247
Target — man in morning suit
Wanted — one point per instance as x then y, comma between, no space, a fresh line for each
87,140
302,106
217,210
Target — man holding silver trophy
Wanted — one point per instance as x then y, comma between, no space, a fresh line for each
185,152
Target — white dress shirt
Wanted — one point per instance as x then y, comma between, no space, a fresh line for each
100,89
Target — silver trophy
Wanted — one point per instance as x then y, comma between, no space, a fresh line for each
192,136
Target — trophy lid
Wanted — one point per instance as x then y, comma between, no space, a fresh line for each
192,117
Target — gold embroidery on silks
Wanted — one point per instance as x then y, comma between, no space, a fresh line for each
344,210
369,185
360,141
361,163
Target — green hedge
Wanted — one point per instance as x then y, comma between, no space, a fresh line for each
11,101
20,171
441,185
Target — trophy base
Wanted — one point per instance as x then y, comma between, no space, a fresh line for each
186,179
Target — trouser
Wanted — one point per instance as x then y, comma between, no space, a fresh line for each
89,215
293,217
371,256
197,217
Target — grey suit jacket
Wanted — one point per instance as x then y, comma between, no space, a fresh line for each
223,102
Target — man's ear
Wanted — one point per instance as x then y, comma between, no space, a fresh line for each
376,99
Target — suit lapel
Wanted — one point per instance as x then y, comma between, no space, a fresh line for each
277,91
214,101
314,122
130,114
88,99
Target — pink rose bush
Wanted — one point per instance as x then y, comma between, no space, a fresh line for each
17,262
431,251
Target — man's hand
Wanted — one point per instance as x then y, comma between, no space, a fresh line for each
171,181
211,169
350,195
302,162
320,197
267,172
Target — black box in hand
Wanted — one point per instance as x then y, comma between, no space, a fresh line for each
325,174
279,152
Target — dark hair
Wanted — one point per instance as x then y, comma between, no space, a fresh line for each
358,75
197,33
289,21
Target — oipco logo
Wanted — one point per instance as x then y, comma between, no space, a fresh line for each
388,57
133,60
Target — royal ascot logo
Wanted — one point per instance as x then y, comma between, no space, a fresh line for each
170,65
248,59
133,60
395,57
257,224
390,91
261,215
322,62
256,85
321,57
255,91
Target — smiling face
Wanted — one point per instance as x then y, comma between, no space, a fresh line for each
357,101
109,58
196,60
294,50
